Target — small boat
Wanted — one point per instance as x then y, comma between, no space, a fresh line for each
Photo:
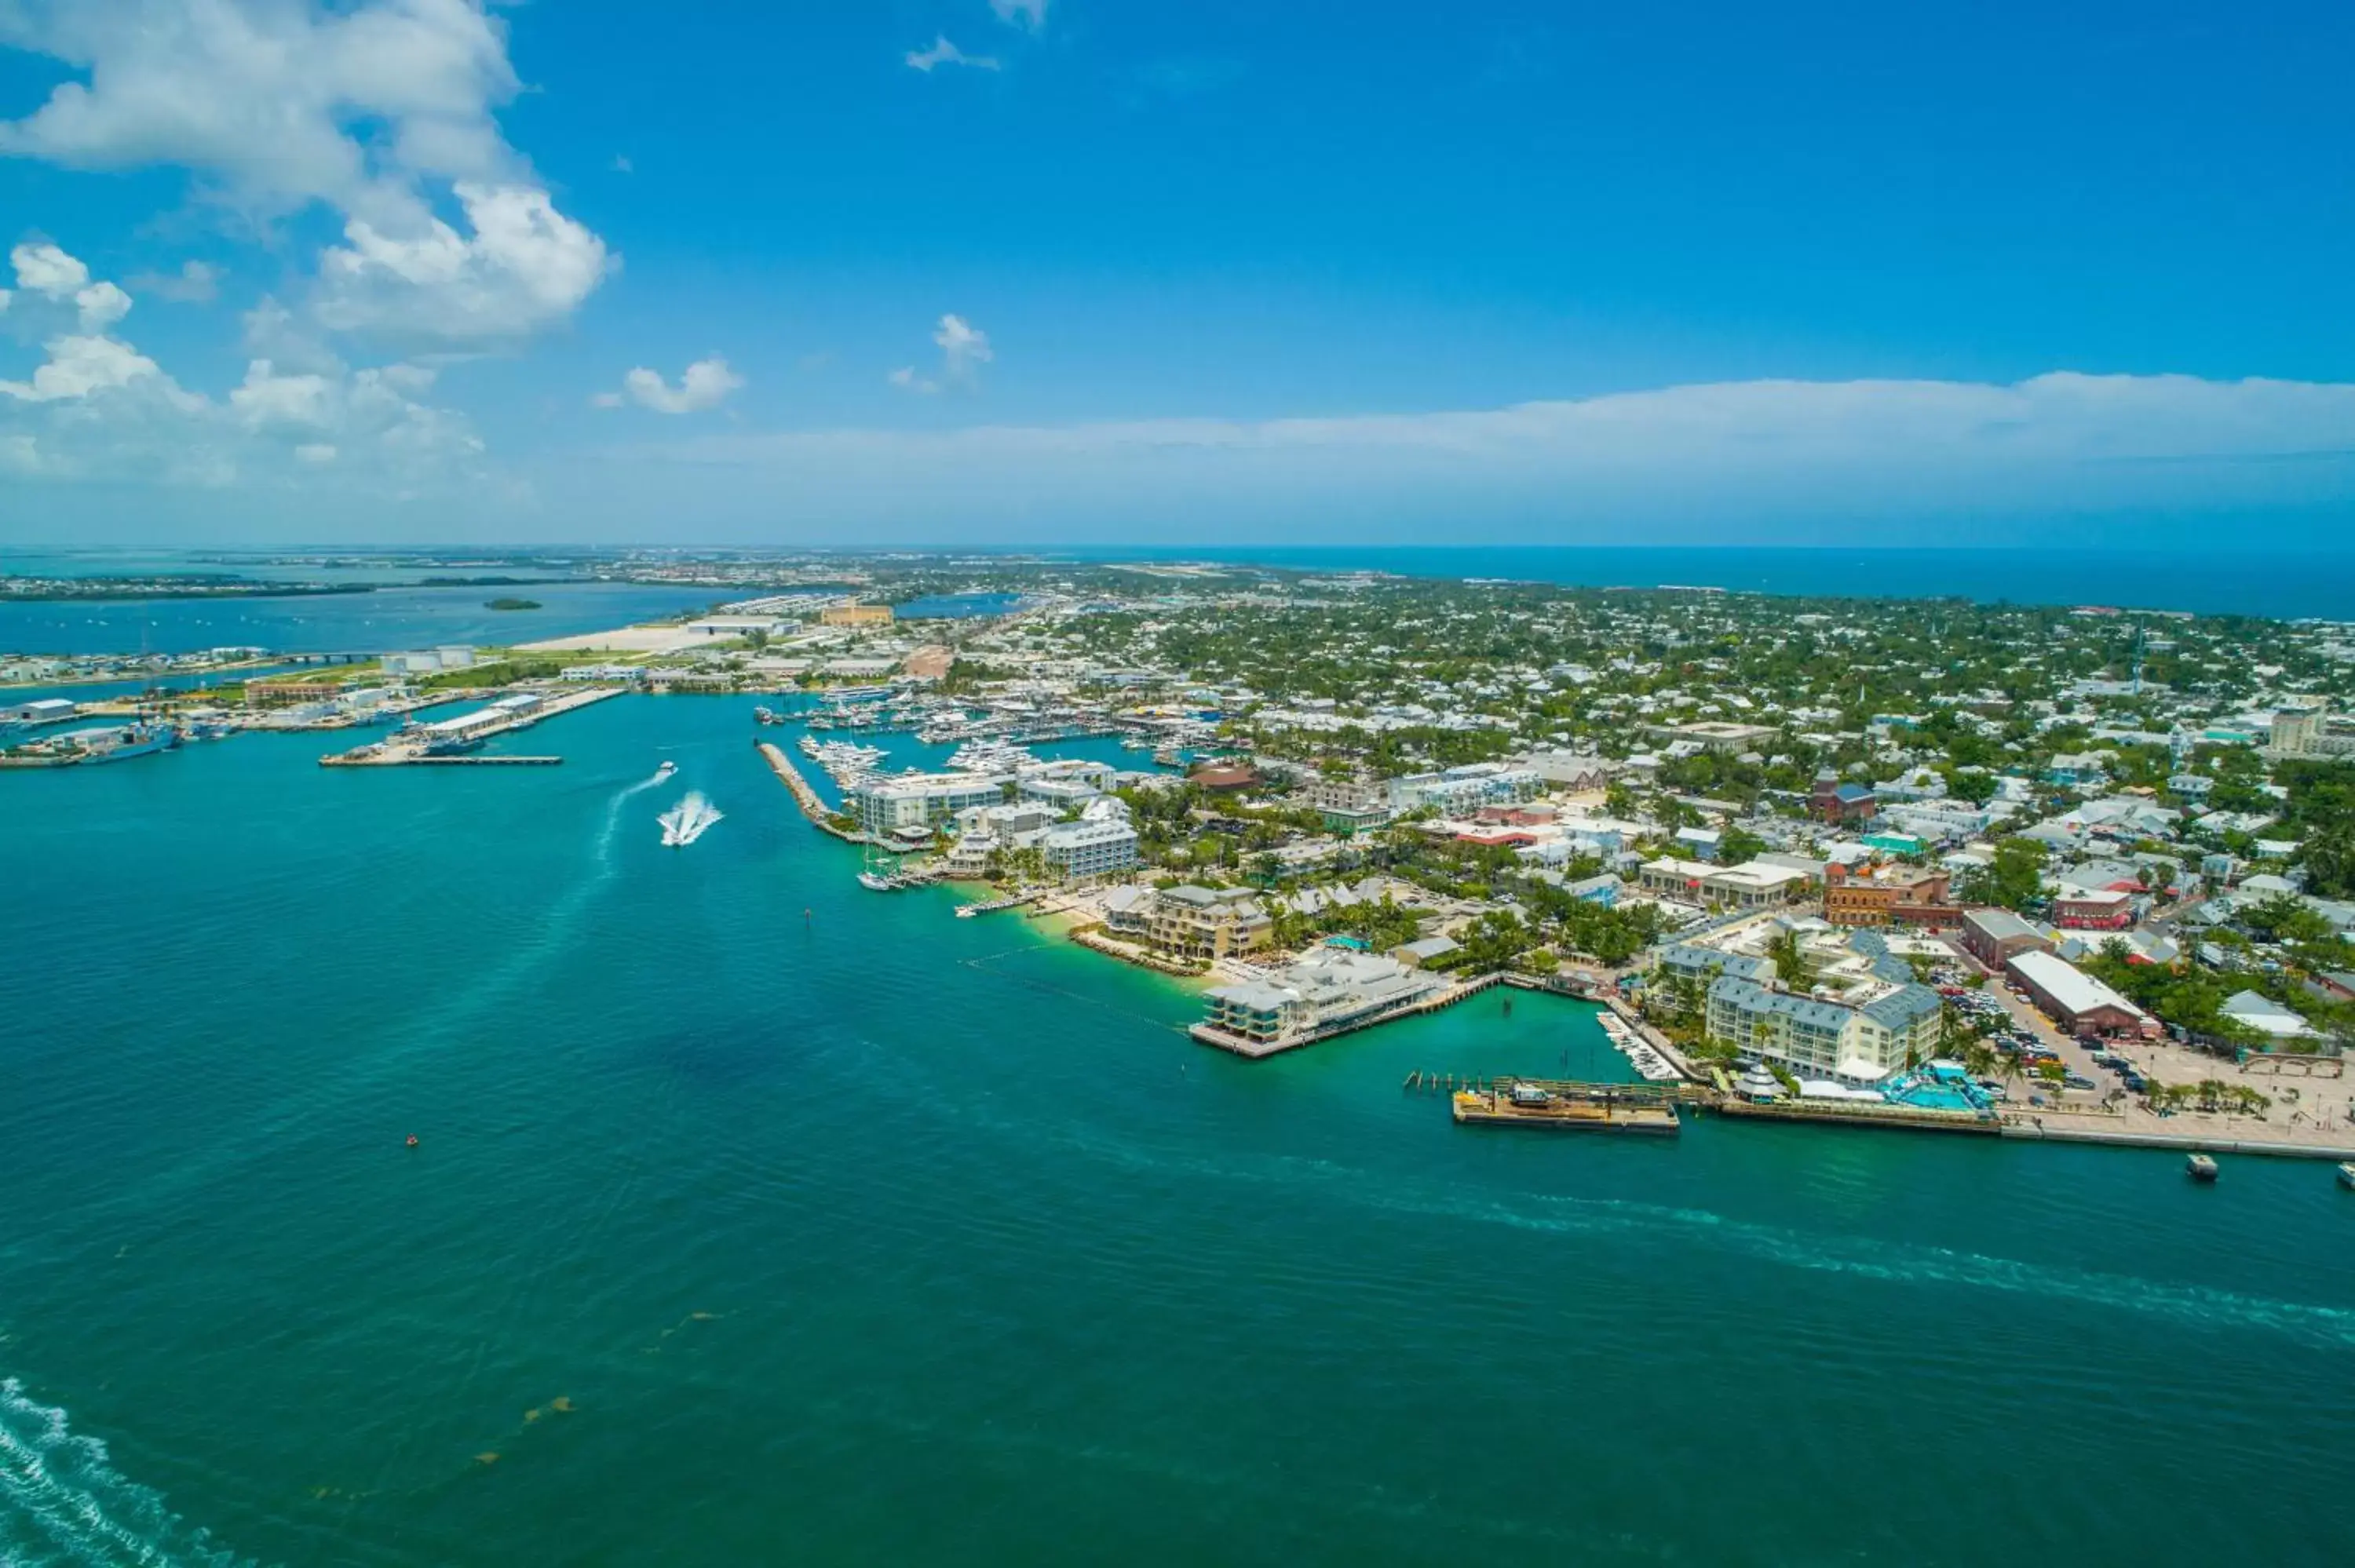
2201,1168
874,883
687,822
2347,1173
666,770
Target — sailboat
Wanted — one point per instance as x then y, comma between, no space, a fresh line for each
687,822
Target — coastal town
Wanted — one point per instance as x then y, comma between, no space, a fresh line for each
2070,872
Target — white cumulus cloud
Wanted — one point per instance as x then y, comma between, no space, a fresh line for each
524,266
98,408
943,52
703,385
42,268
80,364
381,110
964,349
1031,15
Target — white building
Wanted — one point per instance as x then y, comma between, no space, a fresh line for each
915,800
1084,850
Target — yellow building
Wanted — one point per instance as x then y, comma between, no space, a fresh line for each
856,615
1200,923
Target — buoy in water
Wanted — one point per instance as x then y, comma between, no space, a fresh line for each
412,1141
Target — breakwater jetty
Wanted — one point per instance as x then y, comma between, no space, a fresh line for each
815,808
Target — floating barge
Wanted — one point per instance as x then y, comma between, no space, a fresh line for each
1581,1107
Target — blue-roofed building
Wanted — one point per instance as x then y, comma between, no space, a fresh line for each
1689,961
1603,888
1860,1045
1833,801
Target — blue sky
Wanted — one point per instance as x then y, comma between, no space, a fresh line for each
977,270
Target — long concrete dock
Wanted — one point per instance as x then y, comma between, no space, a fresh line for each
2182,1143
401,751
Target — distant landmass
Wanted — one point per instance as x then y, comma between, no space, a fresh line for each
512,604
165,587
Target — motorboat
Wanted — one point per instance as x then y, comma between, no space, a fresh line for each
687,822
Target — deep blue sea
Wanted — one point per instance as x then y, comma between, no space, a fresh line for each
2225,581
757,1218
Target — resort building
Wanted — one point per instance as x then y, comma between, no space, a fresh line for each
1349,805
855,615
1862,1043
1204,924
2076,999
1330,987
917,800
1691,960
1086,851
1070,781
1461,791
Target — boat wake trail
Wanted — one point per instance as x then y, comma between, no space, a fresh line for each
687,822
62,1505
1904,1264
613,811
1640,1224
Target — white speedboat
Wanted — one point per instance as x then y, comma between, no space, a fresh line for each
687,822
666,770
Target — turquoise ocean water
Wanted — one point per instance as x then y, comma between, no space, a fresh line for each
757,1219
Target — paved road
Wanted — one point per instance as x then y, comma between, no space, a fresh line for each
2075,1054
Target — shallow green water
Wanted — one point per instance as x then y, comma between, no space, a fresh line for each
879,1235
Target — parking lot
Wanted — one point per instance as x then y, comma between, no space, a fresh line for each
2016,1015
